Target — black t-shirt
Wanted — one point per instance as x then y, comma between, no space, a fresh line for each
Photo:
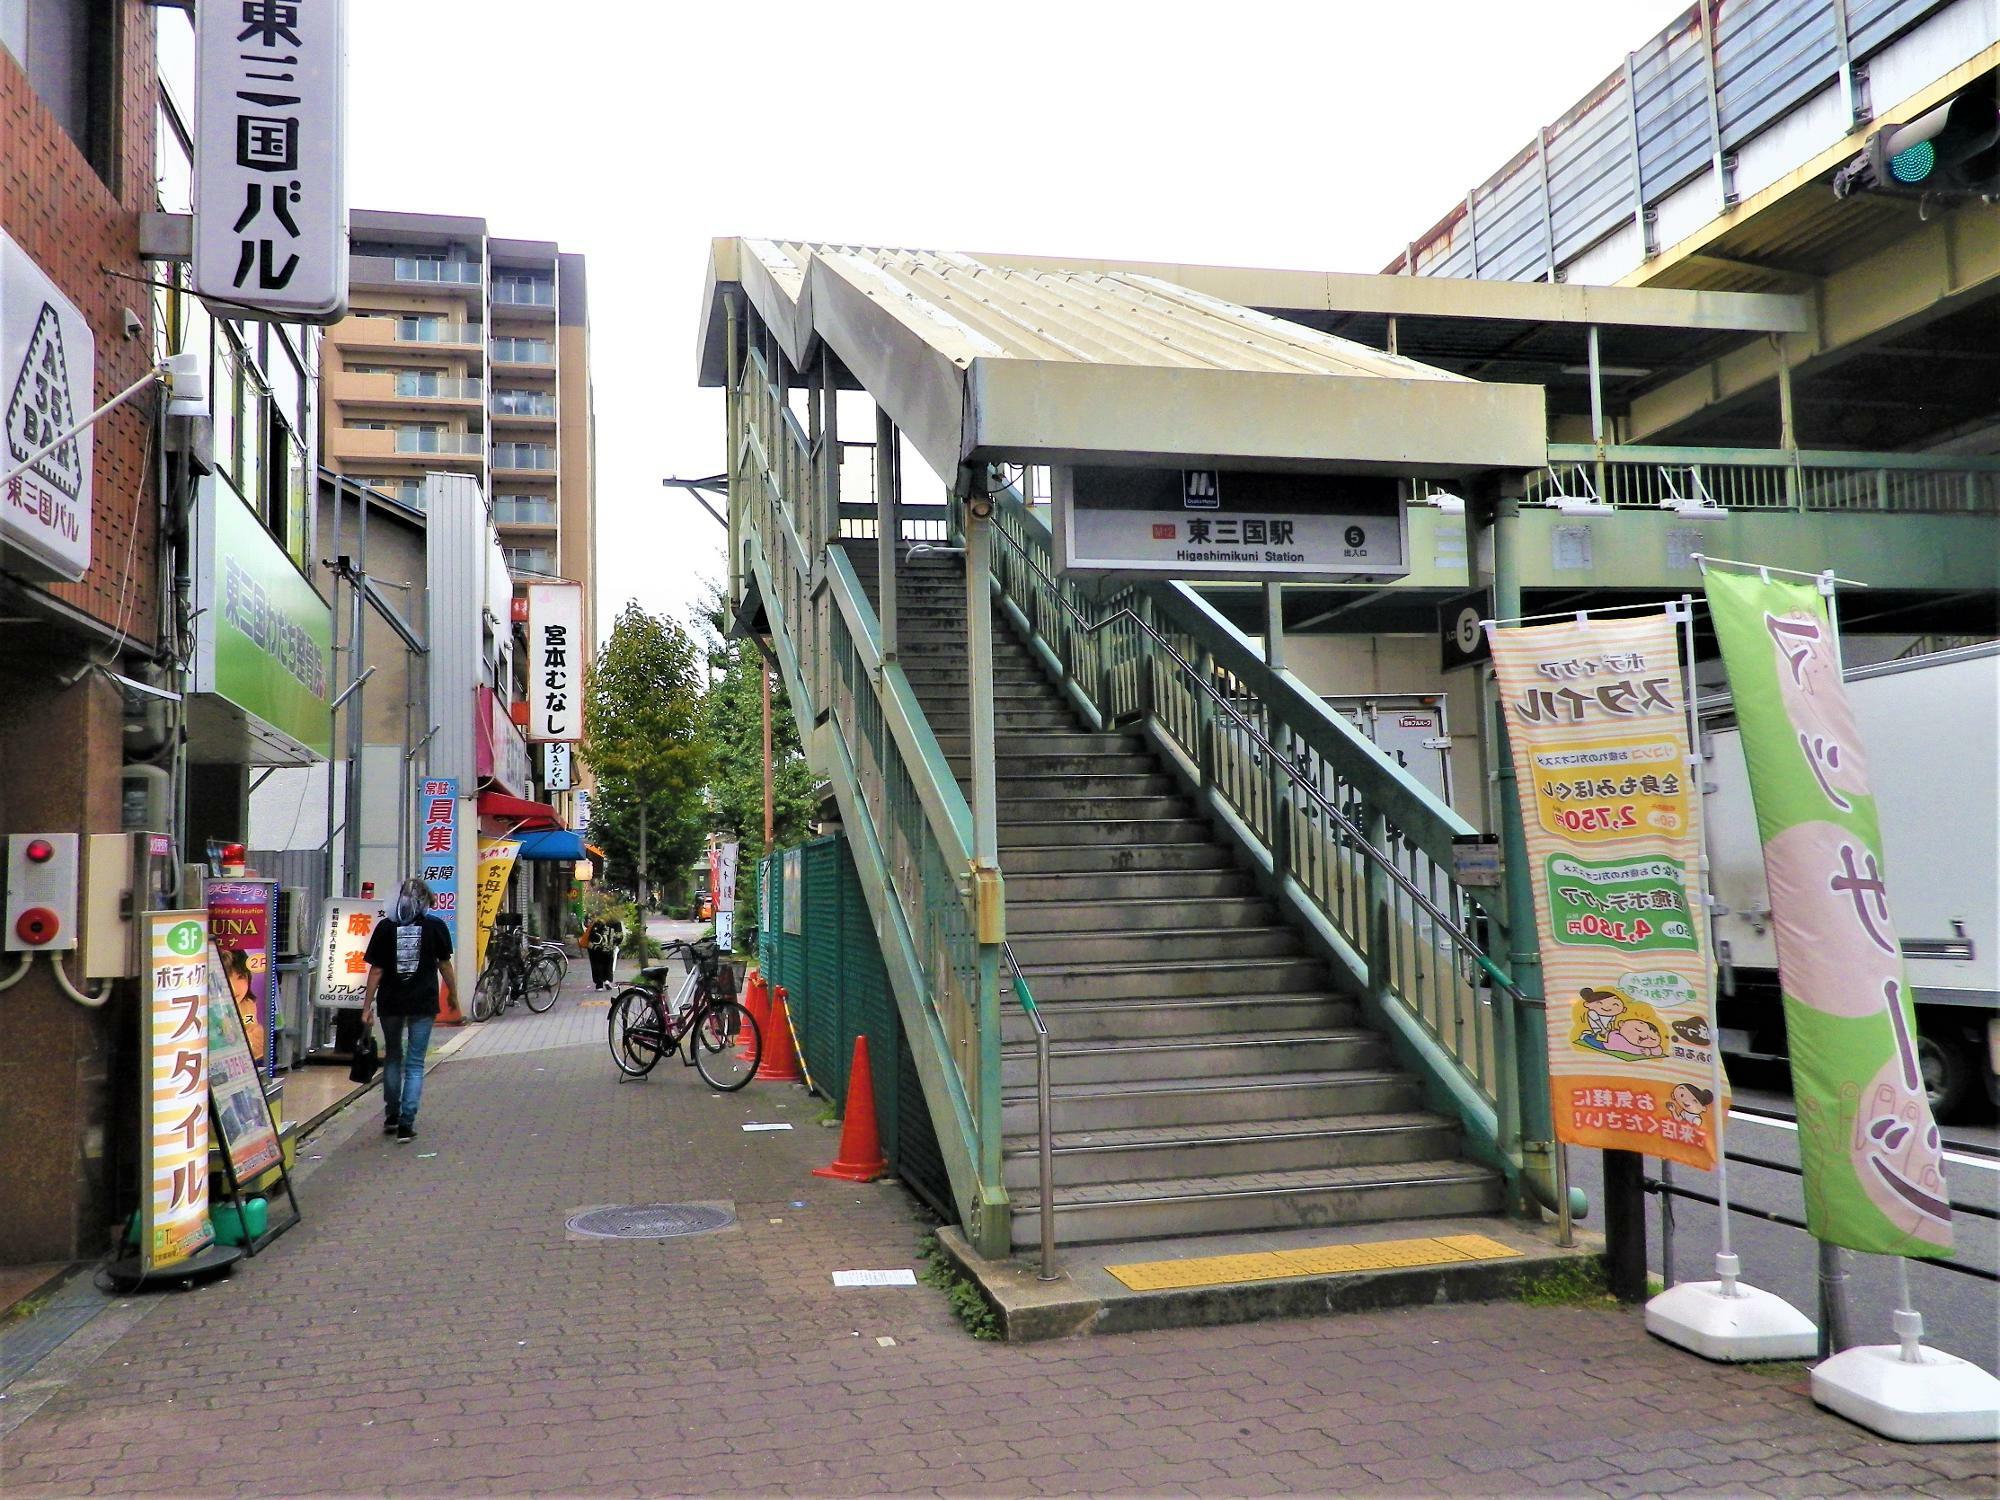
408,954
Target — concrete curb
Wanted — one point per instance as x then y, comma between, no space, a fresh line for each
1088,1299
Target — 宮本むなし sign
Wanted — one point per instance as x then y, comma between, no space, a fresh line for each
240,1107
1598,729
48,364
555,661
174,1207
437,847
342,971
1873,1162
270,177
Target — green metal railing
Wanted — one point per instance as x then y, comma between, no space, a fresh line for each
1639,477
1354,846
907,821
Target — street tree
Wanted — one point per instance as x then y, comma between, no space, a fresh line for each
643,740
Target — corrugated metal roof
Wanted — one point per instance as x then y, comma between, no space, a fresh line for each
1109,318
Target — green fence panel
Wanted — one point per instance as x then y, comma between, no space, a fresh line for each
821,1024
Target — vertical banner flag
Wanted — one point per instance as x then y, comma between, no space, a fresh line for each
1874,1168
243,920
1598,728
342,971
496,868
240,1107
555,663
437,847
174,1205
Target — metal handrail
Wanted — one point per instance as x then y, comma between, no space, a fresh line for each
1382,861
1043,1111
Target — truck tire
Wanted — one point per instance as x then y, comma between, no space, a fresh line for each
1946,1060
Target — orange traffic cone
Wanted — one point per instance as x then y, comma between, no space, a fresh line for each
860,1158
448,1011
757,1005
781,1061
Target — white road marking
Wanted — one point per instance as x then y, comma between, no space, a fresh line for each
1793,1125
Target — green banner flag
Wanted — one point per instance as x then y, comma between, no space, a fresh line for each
1874,1165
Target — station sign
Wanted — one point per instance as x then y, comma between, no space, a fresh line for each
1230,523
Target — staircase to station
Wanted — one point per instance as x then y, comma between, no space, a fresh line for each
1208,1075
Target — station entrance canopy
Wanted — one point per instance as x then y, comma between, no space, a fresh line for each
980,363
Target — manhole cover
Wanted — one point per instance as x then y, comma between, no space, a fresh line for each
651,1221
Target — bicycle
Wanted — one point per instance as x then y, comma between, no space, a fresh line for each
723,1041
514,971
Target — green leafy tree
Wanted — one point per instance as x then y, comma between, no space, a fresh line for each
644,741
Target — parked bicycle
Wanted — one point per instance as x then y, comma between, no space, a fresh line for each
515,970
722,1040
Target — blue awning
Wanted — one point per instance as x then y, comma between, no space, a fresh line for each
553,843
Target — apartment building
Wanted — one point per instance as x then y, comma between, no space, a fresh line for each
464,353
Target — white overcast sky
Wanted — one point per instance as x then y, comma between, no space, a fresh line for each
1317,135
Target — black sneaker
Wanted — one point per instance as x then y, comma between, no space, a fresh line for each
388,1127
405,1133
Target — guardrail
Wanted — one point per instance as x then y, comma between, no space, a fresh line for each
909,827
1695,480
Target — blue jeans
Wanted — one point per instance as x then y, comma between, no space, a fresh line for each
408,1038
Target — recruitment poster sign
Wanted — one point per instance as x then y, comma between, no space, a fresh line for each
496,868
1598,729
174,1208
437,847
344,931
1874,1172
242,916
233,1084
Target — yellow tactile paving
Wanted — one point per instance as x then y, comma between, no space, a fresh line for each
1326,1260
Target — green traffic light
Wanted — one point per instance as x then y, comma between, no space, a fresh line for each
1915,164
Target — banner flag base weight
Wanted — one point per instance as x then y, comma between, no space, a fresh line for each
130,1274
1699,1317
1937,1398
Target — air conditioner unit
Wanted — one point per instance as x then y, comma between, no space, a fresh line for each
295,922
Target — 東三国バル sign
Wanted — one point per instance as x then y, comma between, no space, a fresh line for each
1229,523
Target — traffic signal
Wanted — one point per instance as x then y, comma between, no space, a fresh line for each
1951,152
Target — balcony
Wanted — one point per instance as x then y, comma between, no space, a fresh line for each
409,270
533,458
530,561
524,510
523,404
457,444
417,387
510,351
408,333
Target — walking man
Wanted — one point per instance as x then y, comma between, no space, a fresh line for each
406,955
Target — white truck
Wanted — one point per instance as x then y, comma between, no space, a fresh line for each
1931,725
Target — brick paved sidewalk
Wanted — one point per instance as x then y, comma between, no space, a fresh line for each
433,1329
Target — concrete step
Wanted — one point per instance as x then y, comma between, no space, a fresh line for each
1085,763
1154,885
1240,1202
1045,808
1051,718
1242,1055
1108,831
1055,749
1146,1154
1133,859
1005,678
1093,912
1142,981
954,697
1018,789
1217,1016
1194,946
1208,1101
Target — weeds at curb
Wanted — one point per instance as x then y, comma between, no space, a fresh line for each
968,1304
1578,1283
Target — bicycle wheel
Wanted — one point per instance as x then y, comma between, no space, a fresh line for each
540,986
486,994
637,1040
716,1054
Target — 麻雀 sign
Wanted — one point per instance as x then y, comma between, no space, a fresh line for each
555,662
270,169
1229,523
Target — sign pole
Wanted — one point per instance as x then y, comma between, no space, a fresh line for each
1723,1319
1834,1334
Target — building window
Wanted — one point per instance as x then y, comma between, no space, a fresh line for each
524,351
524,289
530,560
70,51
523,456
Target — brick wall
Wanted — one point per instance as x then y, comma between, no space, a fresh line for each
79,231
